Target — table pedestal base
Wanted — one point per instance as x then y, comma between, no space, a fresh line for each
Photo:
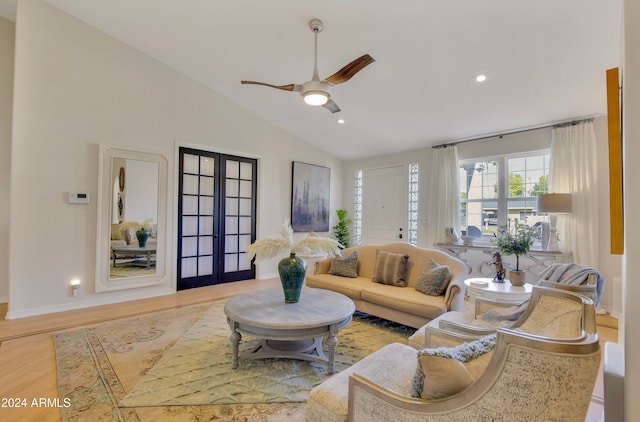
307,349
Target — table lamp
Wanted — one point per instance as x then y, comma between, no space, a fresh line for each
554,204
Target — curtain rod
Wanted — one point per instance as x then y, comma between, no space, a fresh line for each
571,122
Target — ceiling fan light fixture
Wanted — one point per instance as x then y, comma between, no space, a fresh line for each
316,98
315,93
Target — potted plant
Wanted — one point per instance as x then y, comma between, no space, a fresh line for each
516,243
292,269
342,229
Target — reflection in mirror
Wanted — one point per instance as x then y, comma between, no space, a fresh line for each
131,219
134,214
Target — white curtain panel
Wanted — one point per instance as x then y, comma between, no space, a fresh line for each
574,170
444,193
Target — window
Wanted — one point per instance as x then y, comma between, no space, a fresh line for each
501,191
413,204
357,209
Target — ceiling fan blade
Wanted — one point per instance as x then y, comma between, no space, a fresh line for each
347,72
331,106
290,87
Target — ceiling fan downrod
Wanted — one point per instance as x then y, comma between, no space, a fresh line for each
315,92
316,27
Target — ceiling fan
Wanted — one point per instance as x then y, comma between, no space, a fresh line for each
318,92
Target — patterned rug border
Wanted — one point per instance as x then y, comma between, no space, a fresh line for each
101,388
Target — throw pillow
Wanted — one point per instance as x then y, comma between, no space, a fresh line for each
345,267
116,233
391,268
434,279
444,371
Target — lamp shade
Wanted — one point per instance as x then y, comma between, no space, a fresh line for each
557,203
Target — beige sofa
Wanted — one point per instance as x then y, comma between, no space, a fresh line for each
405,305
127,236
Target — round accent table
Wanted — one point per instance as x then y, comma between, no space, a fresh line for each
499,292
288,330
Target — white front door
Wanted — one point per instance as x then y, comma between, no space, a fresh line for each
385,205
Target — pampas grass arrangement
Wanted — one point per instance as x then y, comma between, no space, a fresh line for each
282,243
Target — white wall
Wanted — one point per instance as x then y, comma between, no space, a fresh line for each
631,147
7,32
75,88
609,265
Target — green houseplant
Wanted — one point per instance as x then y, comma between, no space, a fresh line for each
517,242
342,229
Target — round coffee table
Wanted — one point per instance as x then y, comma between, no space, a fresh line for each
288,330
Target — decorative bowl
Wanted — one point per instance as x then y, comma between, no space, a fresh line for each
468,240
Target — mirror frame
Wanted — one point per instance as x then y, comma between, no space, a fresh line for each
105,206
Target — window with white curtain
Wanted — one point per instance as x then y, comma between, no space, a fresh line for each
501,191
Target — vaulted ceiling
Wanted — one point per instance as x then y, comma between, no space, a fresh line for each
544,61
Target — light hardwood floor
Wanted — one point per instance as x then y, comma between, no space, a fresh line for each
27,359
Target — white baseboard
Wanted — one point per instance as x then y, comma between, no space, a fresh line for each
99,301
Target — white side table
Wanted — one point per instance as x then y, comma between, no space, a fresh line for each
499,292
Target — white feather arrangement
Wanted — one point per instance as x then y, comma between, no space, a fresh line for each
282,243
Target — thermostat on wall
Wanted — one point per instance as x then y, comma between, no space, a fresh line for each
78,198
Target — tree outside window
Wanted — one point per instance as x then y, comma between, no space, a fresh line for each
486,205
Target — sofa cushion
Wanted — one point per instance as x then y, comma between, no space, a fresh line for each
446,371
433,279
407,300
352,287
345,267
391,269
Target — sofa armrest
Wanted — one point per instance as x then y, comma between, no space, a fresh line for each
323,267
454,294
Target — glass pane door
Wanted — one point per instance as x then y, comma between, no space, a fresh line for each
216,220
239,216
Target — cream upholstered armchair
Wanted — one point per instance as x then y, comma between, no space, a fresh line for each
551,359
550,312
529,378
589,288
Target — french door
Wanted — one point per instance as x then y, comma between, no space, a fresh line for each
216,218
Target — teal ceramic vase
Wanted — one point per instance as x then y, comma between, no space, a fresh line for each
292,271
142,236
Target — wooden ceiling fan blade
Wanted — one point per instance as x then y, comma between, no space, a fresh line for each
290,87
347,72
331,106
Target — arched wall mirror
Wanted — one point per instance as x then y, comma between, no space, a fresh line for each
131,219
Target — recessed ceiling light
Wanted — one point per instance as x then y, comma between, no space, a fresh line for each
341,121
481,78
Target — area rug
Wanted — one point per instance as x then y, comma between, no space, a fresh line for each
130,271
175,365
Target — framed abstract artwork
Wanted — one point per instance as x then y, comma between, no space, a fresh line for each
310,197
